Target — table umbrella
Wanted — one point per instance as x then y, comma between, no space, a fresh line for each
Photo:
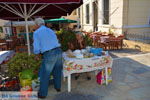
26,9
60,20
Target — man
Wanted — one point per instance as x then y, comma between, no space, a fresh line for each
46,43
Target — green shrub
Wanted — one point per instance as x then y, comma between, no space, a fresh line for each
21,62
66,36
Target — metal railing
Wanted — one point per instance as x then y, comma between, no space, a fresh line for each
140,37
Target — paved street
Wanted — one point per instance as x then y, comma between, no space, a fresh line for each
131,81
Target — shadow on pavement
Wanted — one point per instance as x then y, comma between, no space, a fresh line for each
125,52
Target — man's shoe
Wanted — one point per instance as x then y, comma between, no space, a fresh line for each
58,90
41,97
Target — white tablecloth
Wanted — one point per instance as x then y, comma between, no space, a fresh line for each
76,65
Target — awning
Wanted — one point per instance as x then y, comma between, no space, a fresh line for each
47,9
60,20
28,9
18,23
41,1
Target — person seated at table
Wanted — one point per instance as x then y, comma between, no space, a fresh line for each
81,45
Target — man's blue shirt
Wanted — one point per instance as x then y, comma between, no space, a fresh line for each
44,39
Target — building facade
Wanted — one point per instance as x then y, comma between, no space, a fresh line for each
121,16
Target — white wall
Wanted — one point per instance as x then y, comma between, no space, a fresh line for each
116,16
136,16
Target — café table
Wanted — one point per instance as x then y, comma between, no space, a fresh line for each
2,43
9,40
80,65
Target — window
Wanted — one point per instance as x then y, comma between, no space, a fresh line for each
105,11
87,14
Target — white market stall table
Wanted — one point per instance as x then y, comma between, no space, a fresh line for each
5,55
76,65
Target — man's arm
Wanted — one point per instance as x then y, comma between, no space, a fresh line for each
36,44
